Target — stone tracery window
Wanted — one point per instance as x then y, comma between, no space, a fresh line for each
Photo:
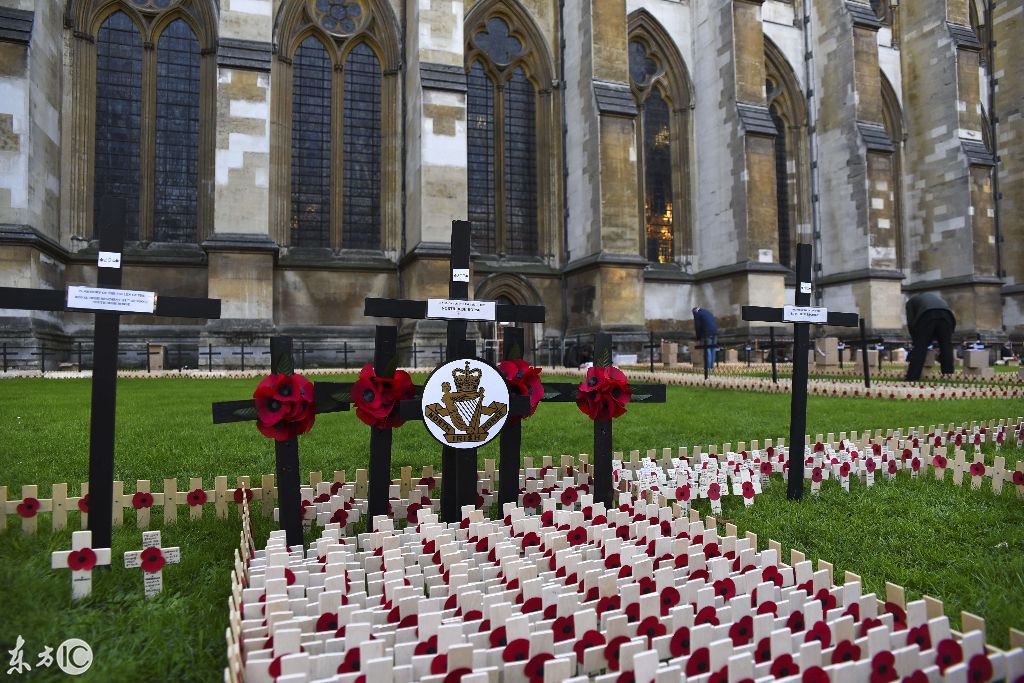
501,110
338,72
660,87
145,136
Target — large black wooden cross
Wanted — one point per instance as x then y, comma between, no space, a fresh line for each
328,399
802,315
458,467
108,301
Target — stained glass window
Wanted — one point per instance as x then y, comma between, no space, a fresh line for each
658,178
177,134
781,185
361,222
642,68
118,117
480,142
311,145
520,165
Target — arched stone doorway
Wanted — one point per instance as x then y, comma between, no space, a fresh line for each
506,288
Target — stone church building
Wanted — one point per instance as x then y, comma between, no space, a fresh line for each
621,160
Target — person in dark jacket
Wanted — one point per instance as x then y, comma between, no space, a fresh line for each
707,333
929,319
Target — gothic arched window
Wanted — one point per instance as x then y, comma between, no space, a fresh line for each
339,78
143,135
501,109
660,85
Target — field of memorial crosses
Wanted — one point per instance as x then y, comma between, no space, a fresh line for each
602,566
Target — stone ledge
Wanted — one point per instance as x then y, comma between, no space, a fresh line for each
977,153
666,272
605,259
16,25
244,54
300,258
862,274
614,98
744,267
863,15
961,281
26,235
756,119
875,137
237,241
443,77
963,36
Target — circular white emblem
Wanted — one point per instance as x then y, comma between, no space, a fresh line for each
74,656
465,403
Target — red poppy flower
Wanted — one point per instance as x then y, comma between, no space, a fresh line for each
564,628
456,676
683,492
569,496
669,598
726,588
815,674
939,461
795,622
846,651
949,653
1018,478
917,677
534,669
868,624
870,465
827,600
844,469
328,621
142,499
351,662
899,615
699,662
196,497
714,491
83,504
892,467
768,607
239,492
920,636
706,615
531,500
611,602
821,633
611,651
523,379
340,517
679,645
748,490
284,406
517,650
152,560
742,631
81,560
632,612
766,468
652,628
604,393
589,639
763,651
771,573
883,667
28,507
784,666
977,469
577,536
979,669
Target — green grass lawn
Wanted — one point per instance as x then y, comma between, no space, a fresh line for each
964,547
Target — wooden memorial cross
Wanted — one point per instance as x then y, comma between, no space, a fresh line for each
457,468
802,315
565,392
650,346
108,301
289,496
152,559
81,560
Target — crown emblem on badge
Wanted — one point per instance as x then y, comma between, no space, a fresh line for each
467,380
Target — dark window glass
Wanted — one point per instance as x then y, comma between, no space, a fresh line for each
480,143
658,207
642,68
498,42
177,134
781,186
311,145
118,113
520,165
361,223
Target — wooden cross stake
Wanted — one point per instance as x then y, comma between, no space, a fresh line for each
152,559
81,560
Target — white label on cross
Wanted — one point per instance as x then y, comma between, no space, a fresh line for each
116,300
804,314
152,581
457,309
460,274
805,287
109,259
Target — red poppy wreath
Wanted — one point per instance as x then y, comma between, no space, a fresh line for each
524,379
284,406
604,393
376,398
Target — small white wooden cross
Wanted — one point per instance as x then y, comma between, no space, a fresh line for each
151,559
81,560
